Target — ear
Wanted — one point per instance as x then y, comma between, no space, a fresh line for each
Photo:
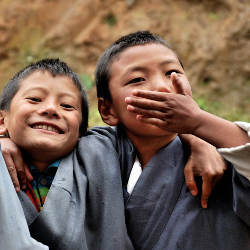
3,128
107,112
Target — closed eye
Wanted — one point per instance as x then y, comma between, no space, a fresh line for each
135,80
34,99
168,73
67,106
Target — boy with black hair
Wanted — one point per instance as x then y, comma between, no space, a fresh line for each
69,204
160,212
98,179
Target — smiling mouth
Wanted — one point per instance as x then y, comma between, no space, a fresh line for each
47,127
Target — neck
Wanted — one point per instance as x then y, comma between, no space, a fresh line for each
148,147
36,161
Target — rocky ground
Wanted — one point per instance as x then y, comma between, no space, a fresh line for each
212,37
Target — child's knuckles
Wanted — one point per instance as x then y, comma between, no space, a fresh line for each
11,169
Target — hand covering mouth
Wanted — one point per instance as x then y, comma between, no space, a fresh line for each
46,126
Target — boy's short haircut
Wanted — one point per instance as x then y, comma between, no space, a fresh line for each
102,73
55,67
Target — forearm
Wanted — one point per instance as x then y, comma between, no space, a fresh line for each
219,132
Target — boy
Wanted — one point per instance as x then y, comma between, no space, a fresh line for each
44,110
160,213
182,115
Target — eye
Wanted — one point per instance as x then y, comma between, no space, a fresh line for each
168,73
67,106
34,99
135,80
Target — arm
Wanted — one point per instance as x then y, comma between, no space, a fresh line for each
239,156
180,113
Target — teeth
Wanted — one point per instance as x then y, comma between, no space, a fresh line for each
46,127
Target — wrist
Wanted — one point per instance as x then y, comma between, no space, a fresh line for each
194,143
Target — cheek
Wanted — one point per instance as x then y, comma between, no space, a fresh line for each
74,123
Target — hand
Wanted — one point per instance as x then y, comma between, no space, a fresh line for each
17,168
206,162
174,112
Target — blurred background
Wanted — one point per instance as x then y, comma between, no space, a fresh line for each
212,38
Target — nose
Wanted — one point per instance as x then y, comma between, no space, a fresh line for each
162,84
49,109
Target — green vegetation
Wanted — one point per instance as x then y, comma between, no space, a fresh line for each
27,55
94,117
110,19
88,83
213,16
234,114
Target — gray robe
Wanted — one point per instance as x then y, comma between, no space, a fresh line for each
84,208
162,214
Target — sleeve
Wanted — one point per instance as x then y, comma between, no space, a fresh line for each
14,231
239,156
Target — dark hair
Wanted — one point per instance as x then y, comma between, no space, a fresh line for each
56,68
102,72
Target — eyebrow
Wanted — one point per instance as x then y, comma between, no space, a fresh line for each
169,62
143,69
44,90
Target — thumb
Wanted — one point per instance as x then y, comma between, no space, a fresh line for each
181,86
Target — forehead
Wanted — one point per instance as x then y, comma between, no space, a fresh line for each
45,80
143,55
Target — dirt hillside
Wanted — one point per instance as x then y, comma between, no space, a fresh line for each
212,37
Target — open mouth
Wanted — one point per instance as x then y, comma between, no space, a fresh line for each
47,127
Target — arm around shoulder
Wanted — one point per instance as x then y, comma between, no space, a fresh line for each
239,156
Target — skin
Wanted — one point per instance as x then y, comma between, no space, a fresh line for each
150,68
180,113
145,69
44,118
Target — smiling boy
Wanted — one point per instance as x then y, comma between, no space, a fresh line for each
69,204
160,213
47,117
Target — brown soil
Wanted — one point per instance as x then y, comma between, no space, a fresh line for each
211,36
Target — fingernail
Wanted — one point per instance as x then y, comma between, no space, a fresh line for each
130,108
204,205
17,189
193,192
127,99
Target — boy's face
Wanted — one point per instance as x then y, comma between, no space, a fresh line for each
45,114
145,67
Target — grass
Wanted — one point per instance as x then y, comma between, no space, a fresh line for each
217,108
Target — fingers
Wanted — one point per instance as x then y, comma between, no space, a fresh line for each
12,170
14,162
207,187
189,178
153,121
152,95
20,168
147,113
144,102
181,85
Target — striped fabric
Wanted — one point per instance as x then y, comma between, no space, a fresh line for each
38,189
